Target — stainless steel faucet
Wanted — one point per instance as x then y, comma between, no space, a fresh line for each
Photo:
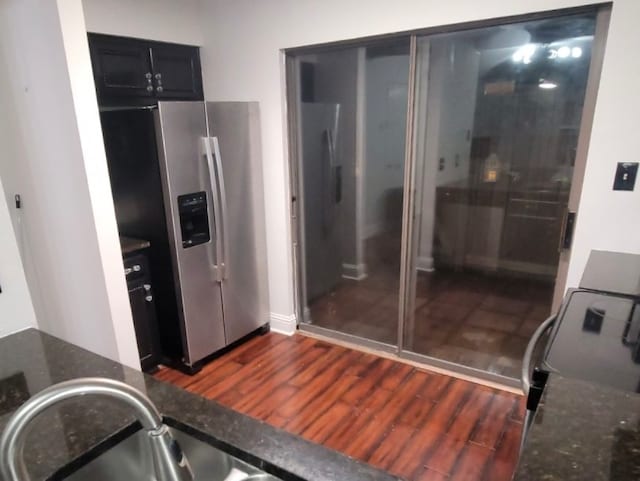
169,462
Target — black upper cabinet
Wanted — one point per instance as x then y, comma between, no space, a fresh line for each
176,71
128,70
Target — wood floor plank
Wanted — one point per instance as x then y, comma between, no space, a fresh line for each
275,382
519,410
319,405
411,460
503,463
271,365
327,423
214,376
362,443
264,410
245,354
444,457
295,406
490,428
402,396
471,413
396,375
368,383
387,452
416,424
436,387
333,355
443,413
430,475
472,463
228,384
363,365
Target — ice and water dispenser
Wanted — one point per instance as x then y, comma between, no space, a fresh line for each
194,219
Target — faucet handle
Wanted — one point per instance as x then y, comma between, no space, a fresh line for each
169,461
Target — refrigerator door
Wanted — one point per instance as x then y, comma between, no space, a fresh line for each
234,131
190,202
318,133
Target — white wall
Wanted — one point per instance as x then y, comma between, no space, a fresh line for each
16,310
57,164
242,61
176,21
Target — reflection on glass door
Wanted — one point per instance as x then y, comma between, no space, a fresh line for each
351,124
498,112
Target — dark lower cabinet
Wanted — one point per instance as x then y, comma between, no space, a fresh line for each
130,71
143,310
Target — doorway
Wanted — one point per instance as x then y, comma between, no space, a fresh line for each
434,175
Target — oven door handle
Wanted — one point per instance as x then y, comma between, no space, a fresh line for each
528,353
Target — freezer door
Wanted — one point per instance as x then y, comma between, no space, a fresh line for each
190,203
235,137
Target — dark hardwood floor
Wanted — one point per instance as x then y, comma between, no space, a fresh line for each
415,424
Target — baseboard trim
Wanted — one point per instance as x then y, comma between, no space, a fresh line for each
356,272
283,324
425,264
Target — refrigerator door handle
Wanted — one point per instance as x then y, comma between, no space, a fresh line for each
208,154
223,204
329,182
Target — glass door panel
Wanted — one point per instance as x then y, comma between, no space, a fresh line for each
498,113
351,125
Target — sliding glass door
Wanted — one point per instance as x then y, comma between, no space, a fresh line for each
498,114
456,248
351,107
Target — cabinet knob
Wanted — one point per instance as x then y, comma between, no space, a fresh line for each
148,298
149,88
147,287
158,76
159,88
137,268
148,75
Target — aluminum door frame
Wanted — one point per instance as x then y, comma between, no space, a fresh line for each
582,148
235,128
180,128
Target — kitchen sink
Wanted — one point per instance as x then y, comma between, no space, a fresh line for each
130,459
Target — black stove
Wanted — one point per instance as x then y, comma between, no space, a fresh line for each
596,339
595,336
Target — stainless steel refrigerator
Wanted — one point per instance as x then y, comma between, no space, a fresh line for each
321,173
211,173
187,176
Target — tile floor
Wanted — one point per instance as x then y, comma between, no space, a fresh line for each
475,319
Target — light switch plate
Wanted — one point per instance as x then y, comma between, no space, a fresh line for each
625,178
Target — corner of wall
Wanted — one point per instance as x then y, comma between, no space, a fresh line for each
283,324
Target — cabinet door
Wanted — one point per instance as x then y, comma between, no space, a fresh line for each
144,321
121,67
176,72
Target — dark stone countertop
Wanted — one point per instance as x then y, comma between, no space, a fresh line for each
30,361
129,244
583,431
